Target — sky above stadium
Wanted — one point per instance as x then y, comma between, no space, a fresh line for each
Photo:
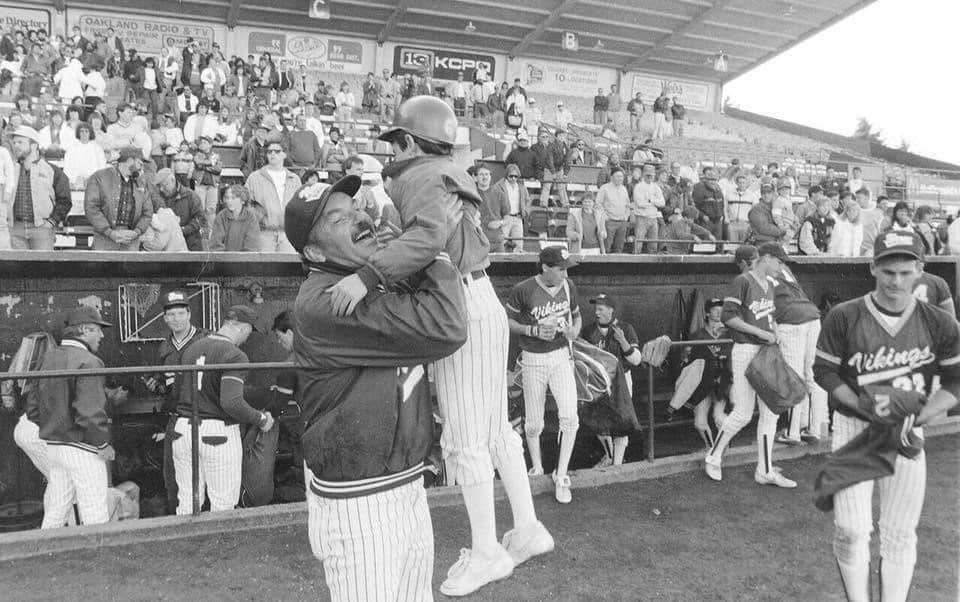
892,62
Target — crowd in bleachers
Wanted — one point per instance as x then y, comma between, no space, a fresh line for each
186,125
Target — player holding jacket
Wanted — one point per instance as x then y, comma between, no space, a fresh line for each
438,204
748,314
366,401
885,338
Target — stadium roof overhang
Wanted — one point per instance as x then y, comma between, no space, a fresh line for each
681,38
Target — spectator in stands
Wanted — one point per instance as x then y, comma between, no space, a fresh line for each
660,108
459,92
601,103
682,226
35,70
305,150
183,165
613,162
636,108
672,197
237,226
335,150
810,206
187,103
924,227
647,203
254,153
679,114
577,155
562,117
900,219
228,128
497,104
206,177
132,76
830,183
817,229
83,157
871,219
37,194
492,209
70,79
510,192
847,237
14,67
479,93
763,226
708,199
271,188
586,229
525,158
516,105
614,104
346,103
783,212
171,136
185,204
55,137
613,198
118,203
200,124
377,146
544,162
169,68
855,181
532,117
389,95
739,202
364,200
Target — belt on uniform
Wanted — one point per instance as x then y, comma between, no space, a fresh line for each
474,275
516,214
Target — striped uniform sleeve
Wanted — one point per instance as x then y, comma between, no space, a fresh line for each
517,302
736,295
948,354
830,350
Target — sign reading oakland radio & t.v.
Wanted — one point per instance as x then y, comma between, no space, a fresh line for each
692,95
146,34
440,64
318,53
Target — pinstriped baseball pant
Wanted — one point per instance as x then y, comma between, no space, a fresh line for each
26,435
221,462
374,548
798,343
553,369
901,501
472,391
75,474
745,400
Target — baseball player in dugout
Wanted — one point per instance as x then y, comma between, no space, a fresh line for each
222,409
365,400
439,208
877,357
620,339
72,416
748,309
177,317
544,314
798,328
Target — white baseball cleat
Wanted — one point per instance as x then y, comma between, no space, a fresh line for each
711,464
535,471
562,489
527,542
774,477
472,571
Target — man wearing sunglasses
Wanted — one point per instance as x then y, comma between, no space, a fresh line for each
271,188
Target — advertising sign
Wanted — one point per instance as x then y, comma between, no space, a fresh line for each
692,95
147,34
317,52
442,64
564,79
17,17
933,190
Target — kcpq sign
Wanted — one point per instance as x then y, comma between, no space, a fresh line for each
441,64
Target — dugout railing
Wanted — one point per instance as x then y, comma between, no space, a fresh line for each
650,427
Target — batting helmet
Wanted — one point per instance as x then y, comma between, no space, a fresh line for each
426,117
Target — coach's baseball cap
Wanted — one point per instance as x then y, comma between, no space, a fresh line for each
745,253
714,302
176,299
305,208
241,313
557,257
604,299
898,242
772,249
85,315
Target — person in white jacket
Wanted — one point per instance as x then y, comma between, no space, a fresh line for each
70,79
847,237
95,87
84,157
56,137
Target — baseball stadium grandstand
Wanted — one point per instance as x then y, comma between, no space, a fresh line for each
177,133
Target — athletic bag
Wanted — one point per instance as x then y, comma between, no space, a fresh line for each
775,382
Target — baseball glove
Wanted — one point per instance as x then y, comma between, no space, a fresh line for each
655,352
889,405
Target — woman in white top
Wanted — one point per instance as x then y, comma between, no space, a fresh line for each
70,79
345,102
15,67
84,157
56,137
847,236
95,87
169,66
228,129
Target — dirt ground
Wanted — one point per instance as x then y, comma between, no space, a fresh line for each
676,538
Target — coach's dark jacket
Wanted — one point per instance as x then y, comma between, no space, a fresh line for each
364,392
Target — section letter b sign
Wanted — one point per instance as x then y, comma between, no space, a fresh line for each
570,41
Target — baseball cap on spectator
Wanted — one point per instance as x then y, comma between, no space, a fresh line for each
714,302
604,299
175,298
522,135
784,183
242,313
162,175
304,210
898,242
25,131
767,186
513,170
745,253
130,152
772,249
557,257
85,315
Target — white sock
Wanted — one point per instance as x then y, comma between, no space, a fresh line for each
478,499
856,580
895,581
